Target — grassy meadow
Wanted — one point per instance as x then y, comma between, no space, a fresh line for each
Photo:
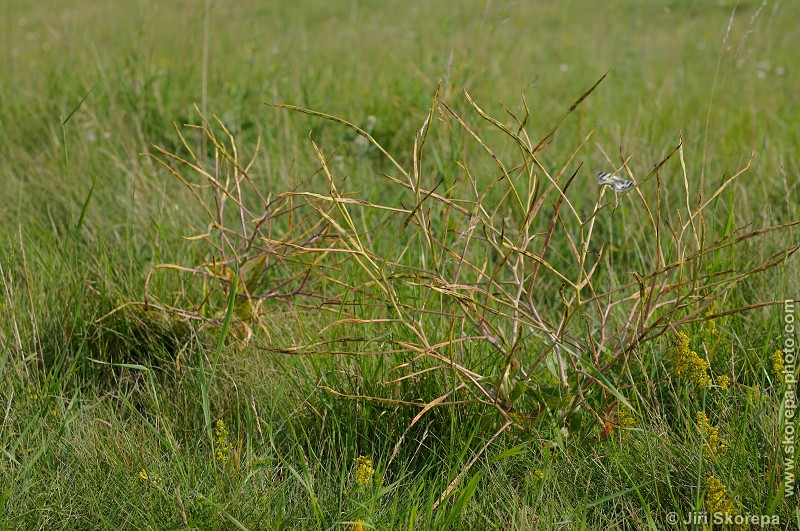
346,265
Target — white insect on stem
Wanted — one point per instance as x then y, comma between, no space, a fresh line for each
620,185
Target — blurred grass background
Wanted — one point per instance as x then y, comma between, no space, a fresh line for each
74,434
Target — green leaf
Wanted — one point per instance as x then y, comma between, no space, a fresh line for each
511,452
462,500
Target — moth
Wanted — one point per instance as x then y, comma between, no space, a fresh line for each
619,184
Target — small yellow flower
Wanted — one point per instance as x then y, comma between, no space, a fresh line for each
364,471
143,475
777,365
754,393
223,446
723,382
538,474
33,394
709,332
358,525
715,445
625,418
717,501
688,364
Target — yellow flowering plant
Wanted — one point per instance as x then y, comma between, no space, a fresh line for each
715,446
364,471
778,365
688,365
723,382
709,335
625,418
222,446
716,499
693,356
358,525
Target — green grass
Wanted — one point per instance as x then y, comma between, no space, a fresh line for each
98,390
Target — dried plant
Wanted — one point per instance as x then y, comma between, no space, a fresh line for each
498,281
